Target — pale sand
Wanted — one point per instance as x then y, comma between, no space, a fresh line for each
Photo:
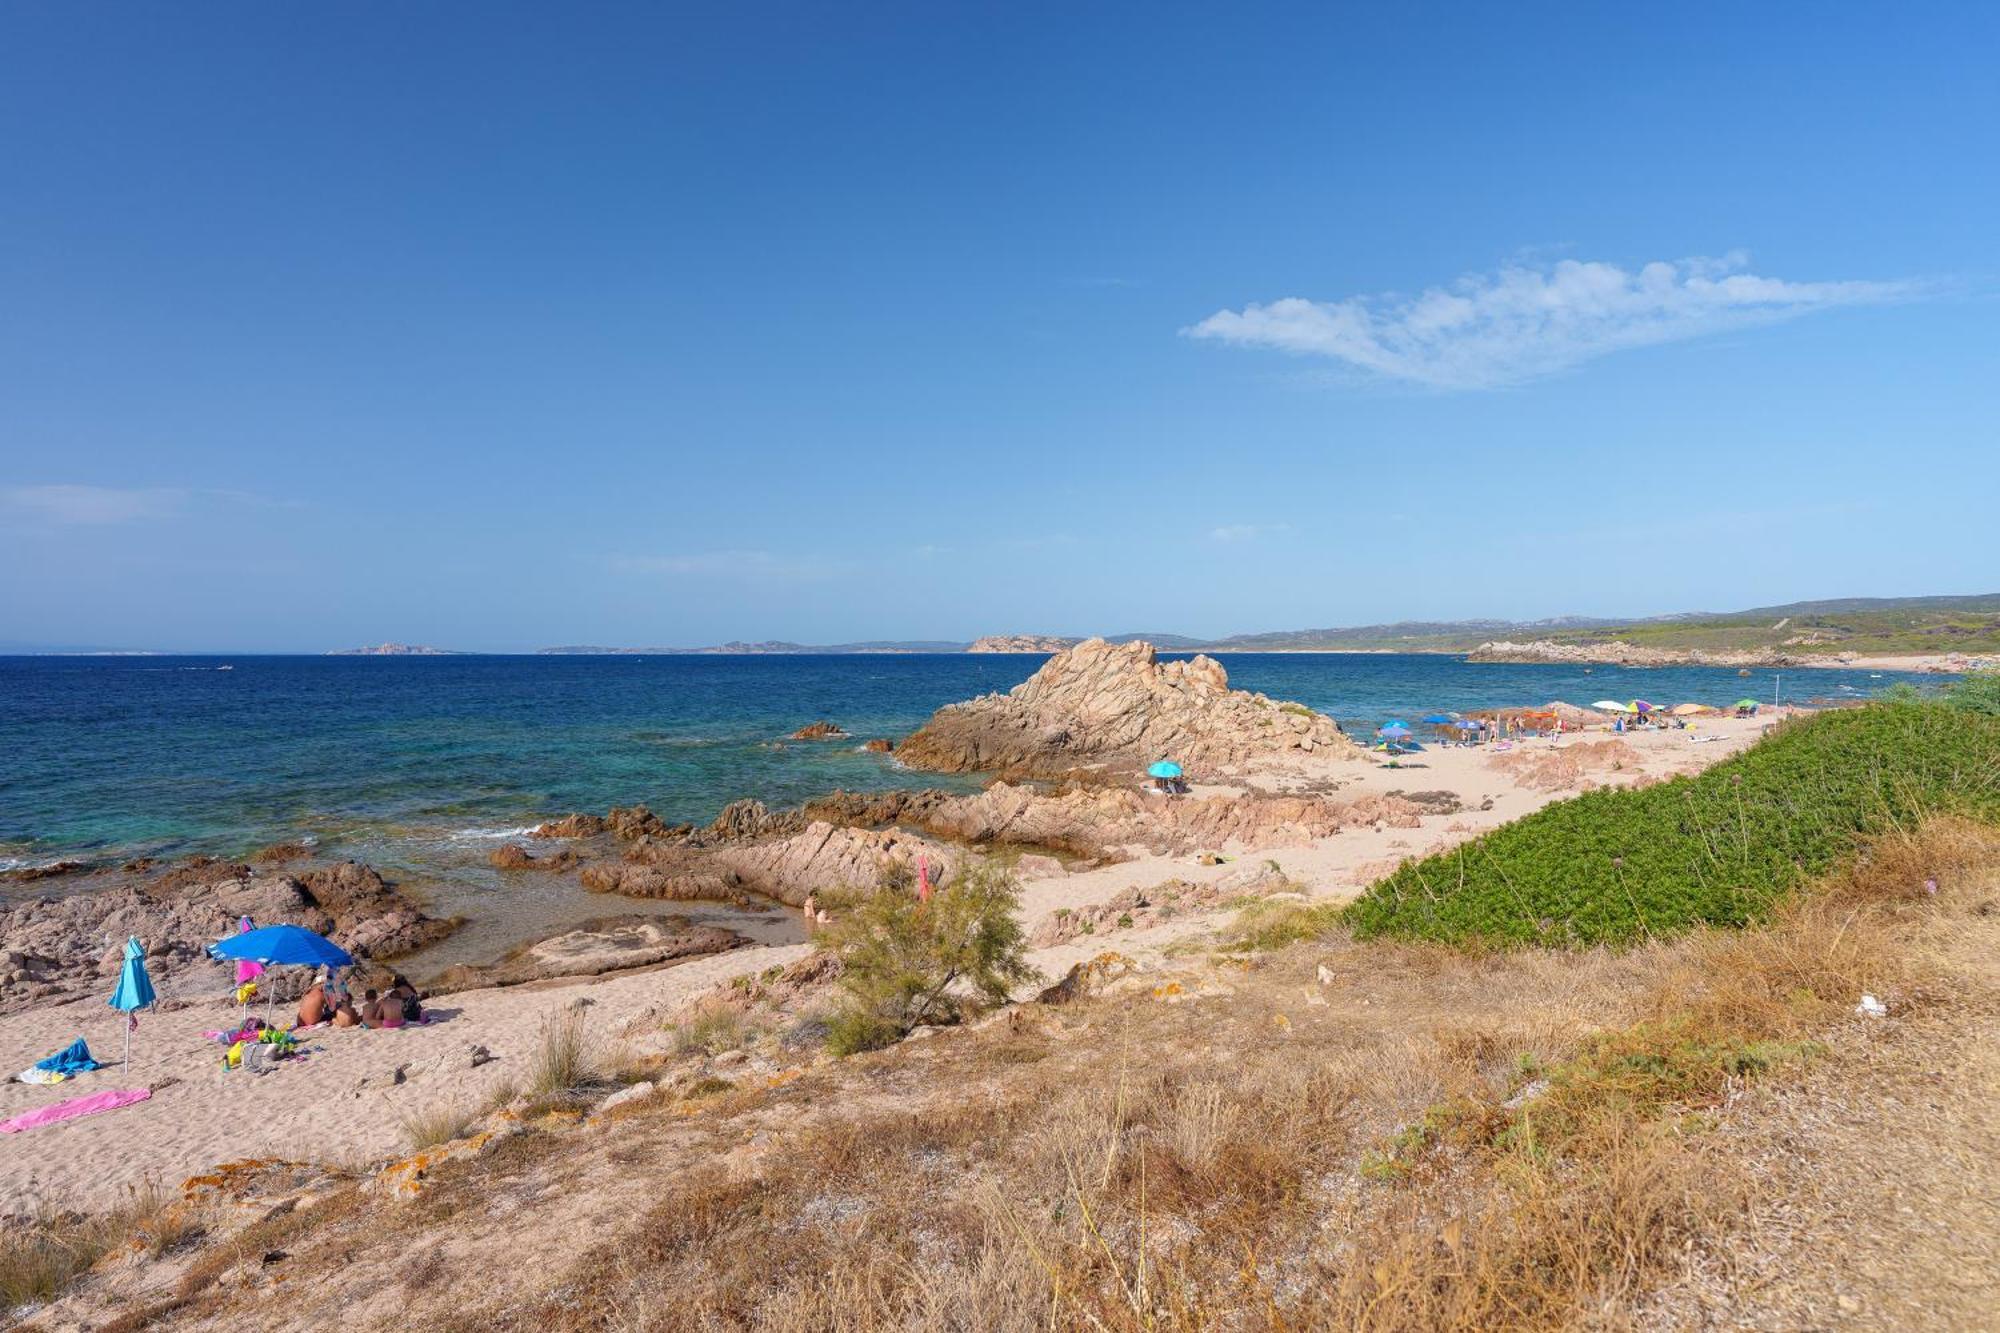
311,1109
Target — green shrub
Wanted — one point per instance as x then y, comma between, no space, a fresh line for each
1975,692
901,958
1718,847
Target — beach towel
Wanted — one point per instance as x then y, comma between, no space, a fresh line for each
72,1059
74,1108
37,1074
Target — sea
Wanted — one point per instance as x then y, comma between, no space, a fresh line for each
422,765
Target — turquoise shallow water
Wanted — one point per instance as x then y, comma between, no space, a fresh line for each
425,762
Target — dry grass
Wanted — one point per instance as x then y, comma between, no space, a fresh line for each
43,1254
1450,1141
566,1060
437,1124
712,1026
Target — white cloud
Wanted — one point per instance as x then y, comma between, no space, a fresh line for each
91,504
765,565
1524,321
1246,532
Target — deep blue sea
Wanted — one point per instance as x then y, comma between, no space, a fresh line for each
426,761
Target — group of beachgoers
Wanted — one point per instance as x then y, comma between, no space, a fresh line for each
329,1001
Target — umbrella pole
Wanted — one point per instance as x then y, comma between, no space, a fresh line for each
128,1043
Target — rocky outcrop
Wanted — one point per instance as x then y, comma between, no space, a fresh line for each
692,880
513,856
49,870
365,914
596,947
1620,653
819,731
880,745
824,856
55,949
1021,643
1117,707
1093,822
627,822
570,826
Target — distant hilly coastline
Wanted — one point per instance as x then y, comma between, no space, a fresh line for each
1861,626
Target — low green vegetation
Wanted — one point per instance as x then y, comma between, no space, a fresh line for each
1719,847
906,963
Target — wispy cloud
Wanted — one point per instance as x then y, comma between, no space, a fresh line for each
1246,532
755,565
85,505
1524,321
67,505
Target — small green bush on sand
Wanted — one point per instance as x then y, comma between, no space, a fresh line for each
901,958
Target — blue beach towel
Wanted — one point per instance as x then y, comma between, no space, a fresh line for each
71,1060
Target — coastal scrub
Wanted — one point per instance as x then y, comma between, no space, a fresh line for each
1719,847
903,958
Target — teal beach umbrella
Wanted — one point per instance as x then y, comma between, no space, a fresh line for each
135,991
1166,768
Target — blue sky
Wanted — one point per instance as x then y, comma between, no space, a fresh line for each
496,326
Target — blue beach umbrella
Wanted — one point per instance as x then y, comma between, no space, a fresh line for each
282,946
1393,727
1166,768
135,990
1438,719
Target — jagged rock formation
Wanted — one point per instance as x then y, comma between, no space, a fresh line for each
819,731
1021,643
1118,707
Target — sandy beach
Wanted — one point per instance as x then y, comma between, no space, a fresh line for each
343,1104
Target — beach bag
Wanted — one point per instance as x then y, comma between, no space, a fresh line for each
413,1011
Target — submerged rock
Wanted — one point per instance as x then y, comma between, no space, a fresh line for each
819,731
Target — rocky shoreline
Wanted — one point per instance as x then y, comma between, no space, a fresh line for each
1068,748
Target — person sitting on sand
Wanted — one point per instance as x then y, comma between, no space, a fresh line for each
314,1007
343,1013
371,1009
404,995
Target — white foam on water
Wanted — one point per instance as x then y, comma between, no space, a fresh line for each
482,834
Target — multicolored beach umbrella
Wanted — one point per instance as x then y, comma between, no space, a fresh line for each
1393,727
135,990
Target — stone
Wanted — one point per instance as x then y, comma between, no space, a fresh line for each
570,826
880,745
819,731
630,1093
1035,866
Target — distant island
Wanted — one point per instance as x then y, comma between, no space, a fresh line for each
396,650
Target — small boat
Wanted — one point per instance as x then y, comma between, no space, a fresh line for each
225,667
1744,671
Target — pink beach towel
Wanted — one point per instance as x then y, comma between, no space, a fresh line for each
74,1107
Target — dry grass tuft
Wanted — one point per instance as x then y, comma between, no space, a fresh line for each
432,1126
